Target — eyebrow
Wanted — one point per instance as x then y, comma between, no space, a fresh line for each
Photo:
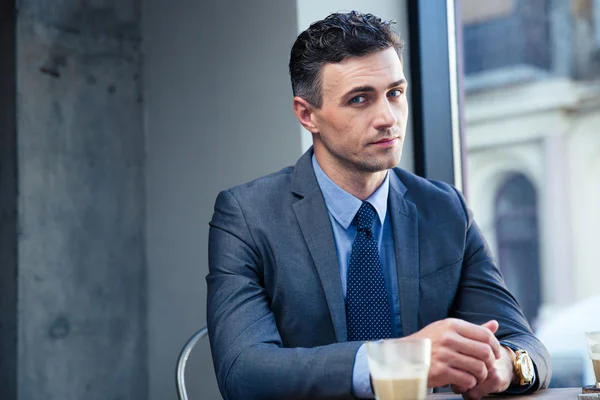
363,89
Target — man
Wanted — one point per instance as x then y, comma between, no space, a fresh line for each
307,264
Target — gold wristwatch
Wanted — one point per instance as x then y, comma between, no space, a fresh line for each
523,367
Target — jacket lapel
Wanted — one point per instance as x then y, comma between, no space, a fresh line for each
313,219
404,218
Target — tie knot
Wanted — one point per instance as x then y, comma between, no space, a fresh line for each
364,217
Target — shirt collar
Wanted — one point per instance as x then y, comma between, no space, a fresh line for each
342,205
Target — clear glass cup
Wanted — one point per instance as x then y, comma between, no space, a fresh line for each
593,343
399,368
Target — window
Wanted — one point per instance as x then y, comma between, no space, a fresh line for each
516,228
531,116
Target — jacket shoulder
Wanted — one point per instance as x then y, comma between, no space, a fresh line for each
432,196
264,188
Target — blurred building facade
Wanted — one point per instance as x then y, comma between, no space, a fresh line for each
532,112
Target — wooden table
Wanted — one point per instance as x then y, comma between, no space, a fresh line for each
548,394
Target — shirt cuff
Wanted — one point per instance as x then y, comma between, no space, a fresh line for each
520,389
361,378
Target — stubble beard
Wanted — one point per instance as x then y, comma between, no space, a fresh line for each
370,165
374,165
363,163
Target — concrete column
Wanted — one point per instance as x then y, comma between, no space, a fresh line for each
557,276
72,190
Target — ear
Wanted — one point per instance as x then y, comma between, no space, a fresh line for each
304,112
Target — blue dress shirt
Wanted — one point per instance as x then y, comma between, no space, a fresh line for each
342,207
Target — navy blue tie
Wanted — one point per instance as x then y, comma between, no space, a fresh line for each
368,314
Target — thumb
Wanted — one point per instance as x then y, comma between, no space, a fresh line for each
491,325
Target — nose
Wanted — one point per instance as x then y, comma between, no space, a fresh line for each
385,117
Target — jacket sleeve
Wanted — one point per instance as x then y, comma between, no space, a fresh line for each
482,296
249,358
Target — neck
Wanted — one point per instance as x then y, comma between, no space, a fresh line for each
358,183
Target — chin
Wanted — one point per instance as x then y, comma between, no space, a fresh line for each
384,163
373,166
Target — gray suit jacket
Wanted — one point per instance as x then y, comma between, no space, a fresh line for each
276,313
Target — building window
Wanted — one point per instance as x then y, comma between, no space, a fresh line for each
516,225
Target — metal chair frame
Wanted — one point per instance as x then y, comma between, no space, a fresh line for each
182,361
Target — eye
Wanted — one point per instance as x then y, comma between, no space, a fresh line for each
395,93
358,100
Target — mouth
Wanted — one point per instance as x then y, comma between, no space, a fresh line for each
386,142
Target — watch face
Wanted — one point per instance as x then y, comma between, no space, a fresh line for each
526,367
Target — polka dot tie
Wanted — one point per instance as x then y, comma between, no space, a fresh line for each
367,309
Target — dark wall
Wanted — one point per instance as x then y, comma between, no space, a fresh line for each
8,204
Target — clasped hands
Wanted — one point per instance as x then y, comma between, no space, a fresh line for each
467,357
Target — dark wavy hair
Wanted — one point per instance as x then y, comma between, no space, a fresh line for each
331,40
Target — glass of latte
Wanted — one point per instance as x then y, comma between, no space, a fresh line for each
593,342
399,368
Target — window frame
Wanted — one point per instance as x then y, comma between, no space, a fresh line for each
435,49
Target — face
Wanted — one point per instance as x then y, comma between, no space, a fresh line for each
361,125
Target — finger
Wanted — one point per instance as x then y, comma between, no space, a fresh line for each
471,365
491,325
470,396
458,389
461,379
475,393
469,347
479,333
490,385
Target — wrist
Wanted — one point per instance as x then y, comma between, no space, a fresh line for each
511,357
